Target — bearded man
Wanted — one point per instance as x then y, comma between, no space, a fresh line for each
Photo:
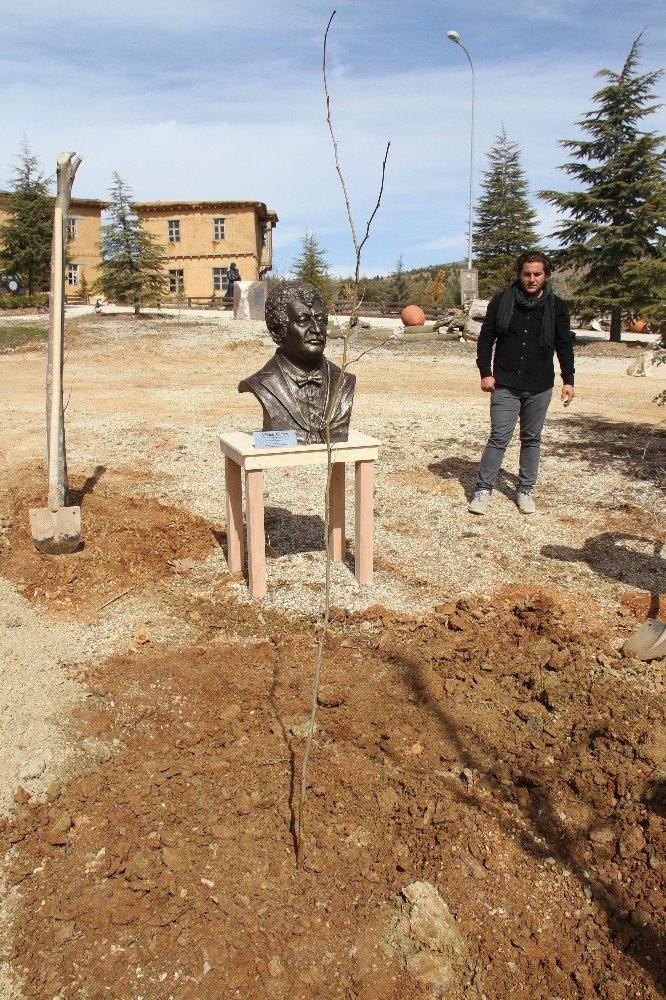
525,327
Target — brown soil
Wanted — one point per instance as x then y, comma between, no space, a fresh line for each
130,542
495,746
517,770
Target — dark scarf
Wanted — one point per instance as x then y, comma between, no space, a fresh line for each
514,295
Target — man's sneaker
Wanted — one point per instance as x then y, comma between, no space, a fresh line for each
526,504
479,504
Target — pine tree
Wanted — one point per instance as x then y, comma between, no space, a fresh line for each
312,265
399,285
613,225
504,225
25,238
132,266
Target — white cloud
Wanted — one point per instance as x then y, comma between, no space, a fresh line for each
190,101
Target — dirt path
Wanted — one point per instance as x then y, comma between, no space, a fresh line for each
478,731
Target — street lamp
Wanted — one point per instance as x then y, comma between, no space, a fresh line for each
453,36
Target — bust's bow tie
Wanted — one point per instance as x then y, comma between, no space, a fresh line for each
313,378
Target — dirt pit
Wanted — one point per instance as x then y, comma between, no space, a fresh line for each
486,794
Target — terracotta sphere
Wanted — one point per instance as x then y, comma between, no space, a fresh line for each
412,316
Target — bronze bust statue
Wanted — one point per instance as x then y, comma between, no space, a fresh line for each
296,387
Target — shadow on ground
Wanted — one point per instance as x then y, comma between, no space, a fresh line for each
636,450
464,472
632,559
288,533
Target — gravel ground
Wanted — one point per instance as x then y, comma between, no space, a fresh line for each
146,401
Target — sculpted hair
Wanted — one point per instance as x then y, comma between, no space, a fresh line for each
279,297
534,257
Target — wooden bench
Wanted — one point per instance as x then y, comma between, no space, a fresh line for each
241,458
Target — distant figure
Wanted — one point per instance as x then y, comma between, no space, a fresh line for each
233,275
296,386
97,308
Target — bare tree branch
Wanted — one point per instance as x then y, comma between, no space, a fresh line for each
300,838
368,350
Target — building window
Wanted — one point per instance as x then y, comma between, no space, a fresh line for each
72,275
218,229
176,281
220,279
264,237
72,232
174,230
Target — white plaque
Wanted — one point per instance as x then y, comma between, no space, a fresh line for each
274,439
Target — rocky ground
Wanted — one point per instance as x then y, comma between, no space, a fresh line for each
486,795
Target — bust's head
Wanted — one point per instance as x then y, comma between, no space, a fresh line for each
296,317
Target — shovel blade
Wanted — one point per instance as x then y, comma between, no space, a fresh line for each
56,531
648,642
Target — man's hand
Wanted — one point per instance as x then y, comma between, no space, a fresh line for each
488,384
567,394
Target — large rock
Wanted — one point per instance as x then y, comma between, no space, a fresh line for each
478,308
472,329
418,333
425,940
431,923
249,299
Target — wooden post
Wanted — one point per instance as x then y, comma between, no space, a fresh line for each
67,166
336,516
234,491
256,542
364,521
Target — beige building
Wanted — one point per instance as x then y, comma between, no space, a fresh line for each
83,238
84,235
202,238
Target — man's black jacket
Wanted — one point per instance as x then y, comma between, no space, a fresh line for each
519,361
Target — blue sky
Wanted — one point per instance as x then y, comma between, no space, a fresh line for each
208,99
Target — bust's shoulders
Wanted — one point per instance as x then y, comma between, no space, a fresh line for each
272,369
252,381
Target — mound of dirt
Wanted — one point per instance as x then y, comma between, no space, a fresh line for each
128,543
491,749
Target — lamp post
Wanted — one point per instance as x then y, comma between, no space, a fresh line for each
471,289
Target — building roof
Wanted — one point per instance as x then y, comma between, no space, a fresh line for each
173,206
75,203
89,203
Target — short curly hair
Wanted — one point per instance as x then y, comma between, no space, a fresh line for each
534,257
279,297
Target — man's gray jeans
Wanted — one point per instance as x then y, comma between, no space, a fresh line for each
506,407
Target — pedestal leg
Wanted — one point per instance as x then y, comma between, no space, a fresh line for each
256,541
364,521
336,513
234,491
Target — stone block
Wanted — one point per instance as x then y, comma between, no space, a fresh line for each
472,329
249,299
478,308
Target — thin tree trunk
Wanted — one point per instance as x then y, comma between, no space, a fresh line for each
616,325
358,247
